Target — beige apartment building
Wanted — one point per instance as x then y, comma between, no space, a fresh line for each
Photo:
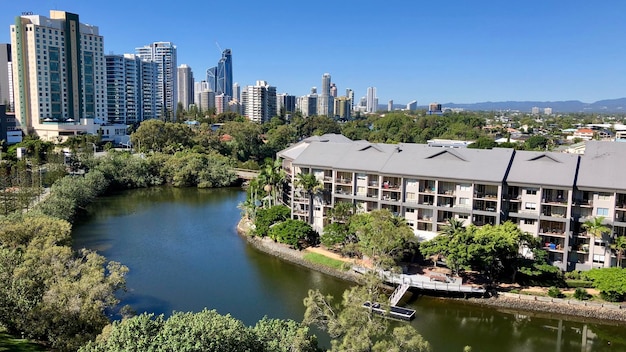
547,194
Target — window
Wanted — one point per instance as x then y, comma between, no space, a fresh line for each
410,210
602,211
598,258
529,222
464,201
410,196
530,206
360,190
463,216
604,196
532,191
360,176
465,187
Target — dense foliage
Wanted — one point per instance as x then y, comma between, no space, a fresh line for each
49,292
611,282
205,331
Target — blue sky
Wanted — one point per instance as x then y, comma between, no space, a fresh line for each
446,51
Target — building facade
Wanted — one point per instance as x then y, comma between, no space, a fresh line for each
325,99
59,75
547,194
131,89
164,55
260,102
371,100
185,86
224,75
6,76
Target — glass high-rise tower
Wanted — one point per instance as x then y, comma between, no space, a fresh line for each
224,77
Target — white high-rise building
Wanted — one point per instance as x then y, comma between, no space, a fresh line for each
412,105
260,104
59,75
390,105
236,91
372,100
185,86
164,54
325,100
131,89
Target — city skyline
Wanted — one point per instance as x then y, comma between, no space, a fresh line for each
453,52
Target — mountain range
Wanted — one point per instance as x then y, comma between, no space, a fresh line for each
600,106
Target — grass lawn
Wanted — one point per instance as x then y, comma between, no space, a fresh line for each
324,260
10,343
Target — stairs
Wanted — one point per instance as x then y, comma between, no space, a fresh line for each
398,293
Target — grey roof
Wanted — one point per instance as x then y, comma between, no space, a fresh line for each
450,163
408,160
603,166
543,168
293,151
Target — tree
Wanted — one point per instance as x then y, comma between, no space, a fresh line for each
293,232
381,236
483,143
338,232
311,185
266,217
595,228
611,282
273,176
620,248
278,335
354,328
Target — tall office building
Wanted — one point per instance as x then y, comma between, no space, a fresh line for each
390,105
224,77
350,95
236,91
207,100
164,54
260,104
185,86
285,103
325,100
211,78
372,100
6,91
58,75
342,108
412,105
131,88
333,90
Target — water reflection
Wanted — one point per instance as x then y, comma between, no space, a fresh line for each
184,255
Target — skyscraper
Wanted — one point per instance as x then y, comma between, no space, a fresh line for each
211,78
131,88
390,105
325,101
372,100
350,95
224,77
58,75
285,103
236,92
6,91
185,86
164,54
260,102
412,105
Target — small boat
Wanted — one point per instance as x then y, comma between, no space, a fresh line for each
394,311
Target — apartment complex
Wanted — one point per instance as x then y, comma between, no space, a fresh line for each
259,102
549,195
164,55
131,89
59,75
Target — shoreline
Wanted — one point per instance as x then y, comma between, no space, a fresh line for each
606,313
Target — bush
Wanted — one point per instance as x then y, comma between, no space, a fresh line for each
292,232
266,217
554,292
612,296
573,275
579,283
581,294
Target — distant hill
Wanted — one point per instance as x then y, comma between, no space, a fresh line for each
605,106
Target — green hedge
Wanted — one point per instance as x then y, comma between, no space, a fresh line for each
579,283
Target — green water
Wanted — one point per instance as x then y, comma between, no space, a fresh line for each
184,254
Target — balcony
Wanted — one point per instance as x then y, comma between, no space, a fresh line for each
343,181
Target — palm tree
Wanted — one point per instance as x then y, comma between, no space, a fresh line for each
454,225
273,177
620,248
311,186
595,228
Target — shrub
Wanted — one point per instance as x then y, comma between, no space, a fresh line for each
554,292
573,275
266,217
292,232
579,283
581,294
